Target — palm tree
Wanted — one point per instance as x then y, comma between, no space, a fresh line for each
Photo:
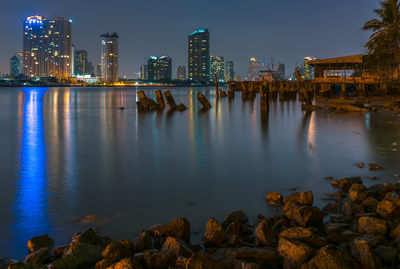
384,44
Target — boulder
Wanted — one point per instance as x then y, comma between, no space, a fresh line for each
386,208
38,257
303,234
305,216
371,225
373,166
327,258
240,264
331,208
357,193
362,252
104,263
127,263
177,246
335,227
59,251
159,259
377,190
118,250
345,183
294,252
300,198
273,198
91,237
235,216
81,255
369,204
202,261
234,228
395,234
142,242
38,242
264,234
179,228
215,234
387,254
350,208
267,257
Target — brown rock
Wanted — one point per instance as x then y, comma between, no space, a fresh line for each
81,255
327,258
361,165
235,216
362,252
395,233
274,198
267,257
264,235
118,250
293,252
142,242
350,208
91,237
177,246
357,193
202,261
159,259
331,208
104,263
127,263
305,216
179,228
59,251
369,204
234,228
335,227
387,254
215,234
385,208
303,234
39,242
372,225
373,166
345,183
300,198
38,257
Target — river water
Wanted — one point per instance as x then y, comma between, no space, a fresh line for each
66,153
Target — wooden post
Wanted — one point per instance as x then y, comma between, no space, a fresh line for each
216,85
343,91
160,99
203,100
170,99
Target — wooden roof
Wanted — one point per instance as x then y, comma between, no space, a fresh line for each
357,58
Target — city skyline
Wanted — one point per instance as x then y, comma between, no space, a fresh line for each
287,32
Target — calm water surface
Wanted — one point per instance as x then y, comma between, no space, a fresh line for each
66,153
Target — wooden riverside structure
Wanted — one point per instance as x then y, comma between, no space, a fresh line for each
342,77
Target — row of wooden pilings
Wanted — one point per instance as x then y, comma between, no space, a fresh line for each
268,90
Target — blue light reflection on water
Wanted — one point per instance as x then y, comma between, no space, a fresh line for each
31,198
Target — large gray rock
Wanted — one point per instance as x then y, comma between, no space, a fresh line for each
387,254
91,237
38,257
264,235
305,216
159,259
235,216
142,242
118,250
177,246
214,234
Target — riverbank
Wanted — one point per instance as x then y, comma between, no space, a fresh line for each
358,228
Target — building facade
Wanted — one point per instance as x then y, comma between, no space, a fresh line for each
253,70
109,57
230,73
217,66
82,66
181,73
199,56
144,72
159,68
281,70
47,47
15,66
308,70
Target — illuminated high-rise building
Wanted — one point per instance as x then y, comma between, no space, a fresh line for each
144,72
159,68
47,47
230,73
281,70
253,70
217,66
109,57
82,66
199,56
15,65
181,73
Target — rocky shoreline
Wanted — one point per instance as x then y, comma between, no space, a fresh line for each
358,228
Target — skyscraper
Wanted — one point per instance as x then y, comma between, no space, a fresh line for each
109,57
159,68
308,69
144,72
181,73
253,70
230,73
47,47
82,66
217,66
281,70
15,66
199,56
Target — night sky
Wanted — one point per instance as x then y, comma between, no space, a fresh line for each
286,30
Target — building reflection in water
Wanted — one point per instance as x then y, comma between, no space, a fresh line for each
31,198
